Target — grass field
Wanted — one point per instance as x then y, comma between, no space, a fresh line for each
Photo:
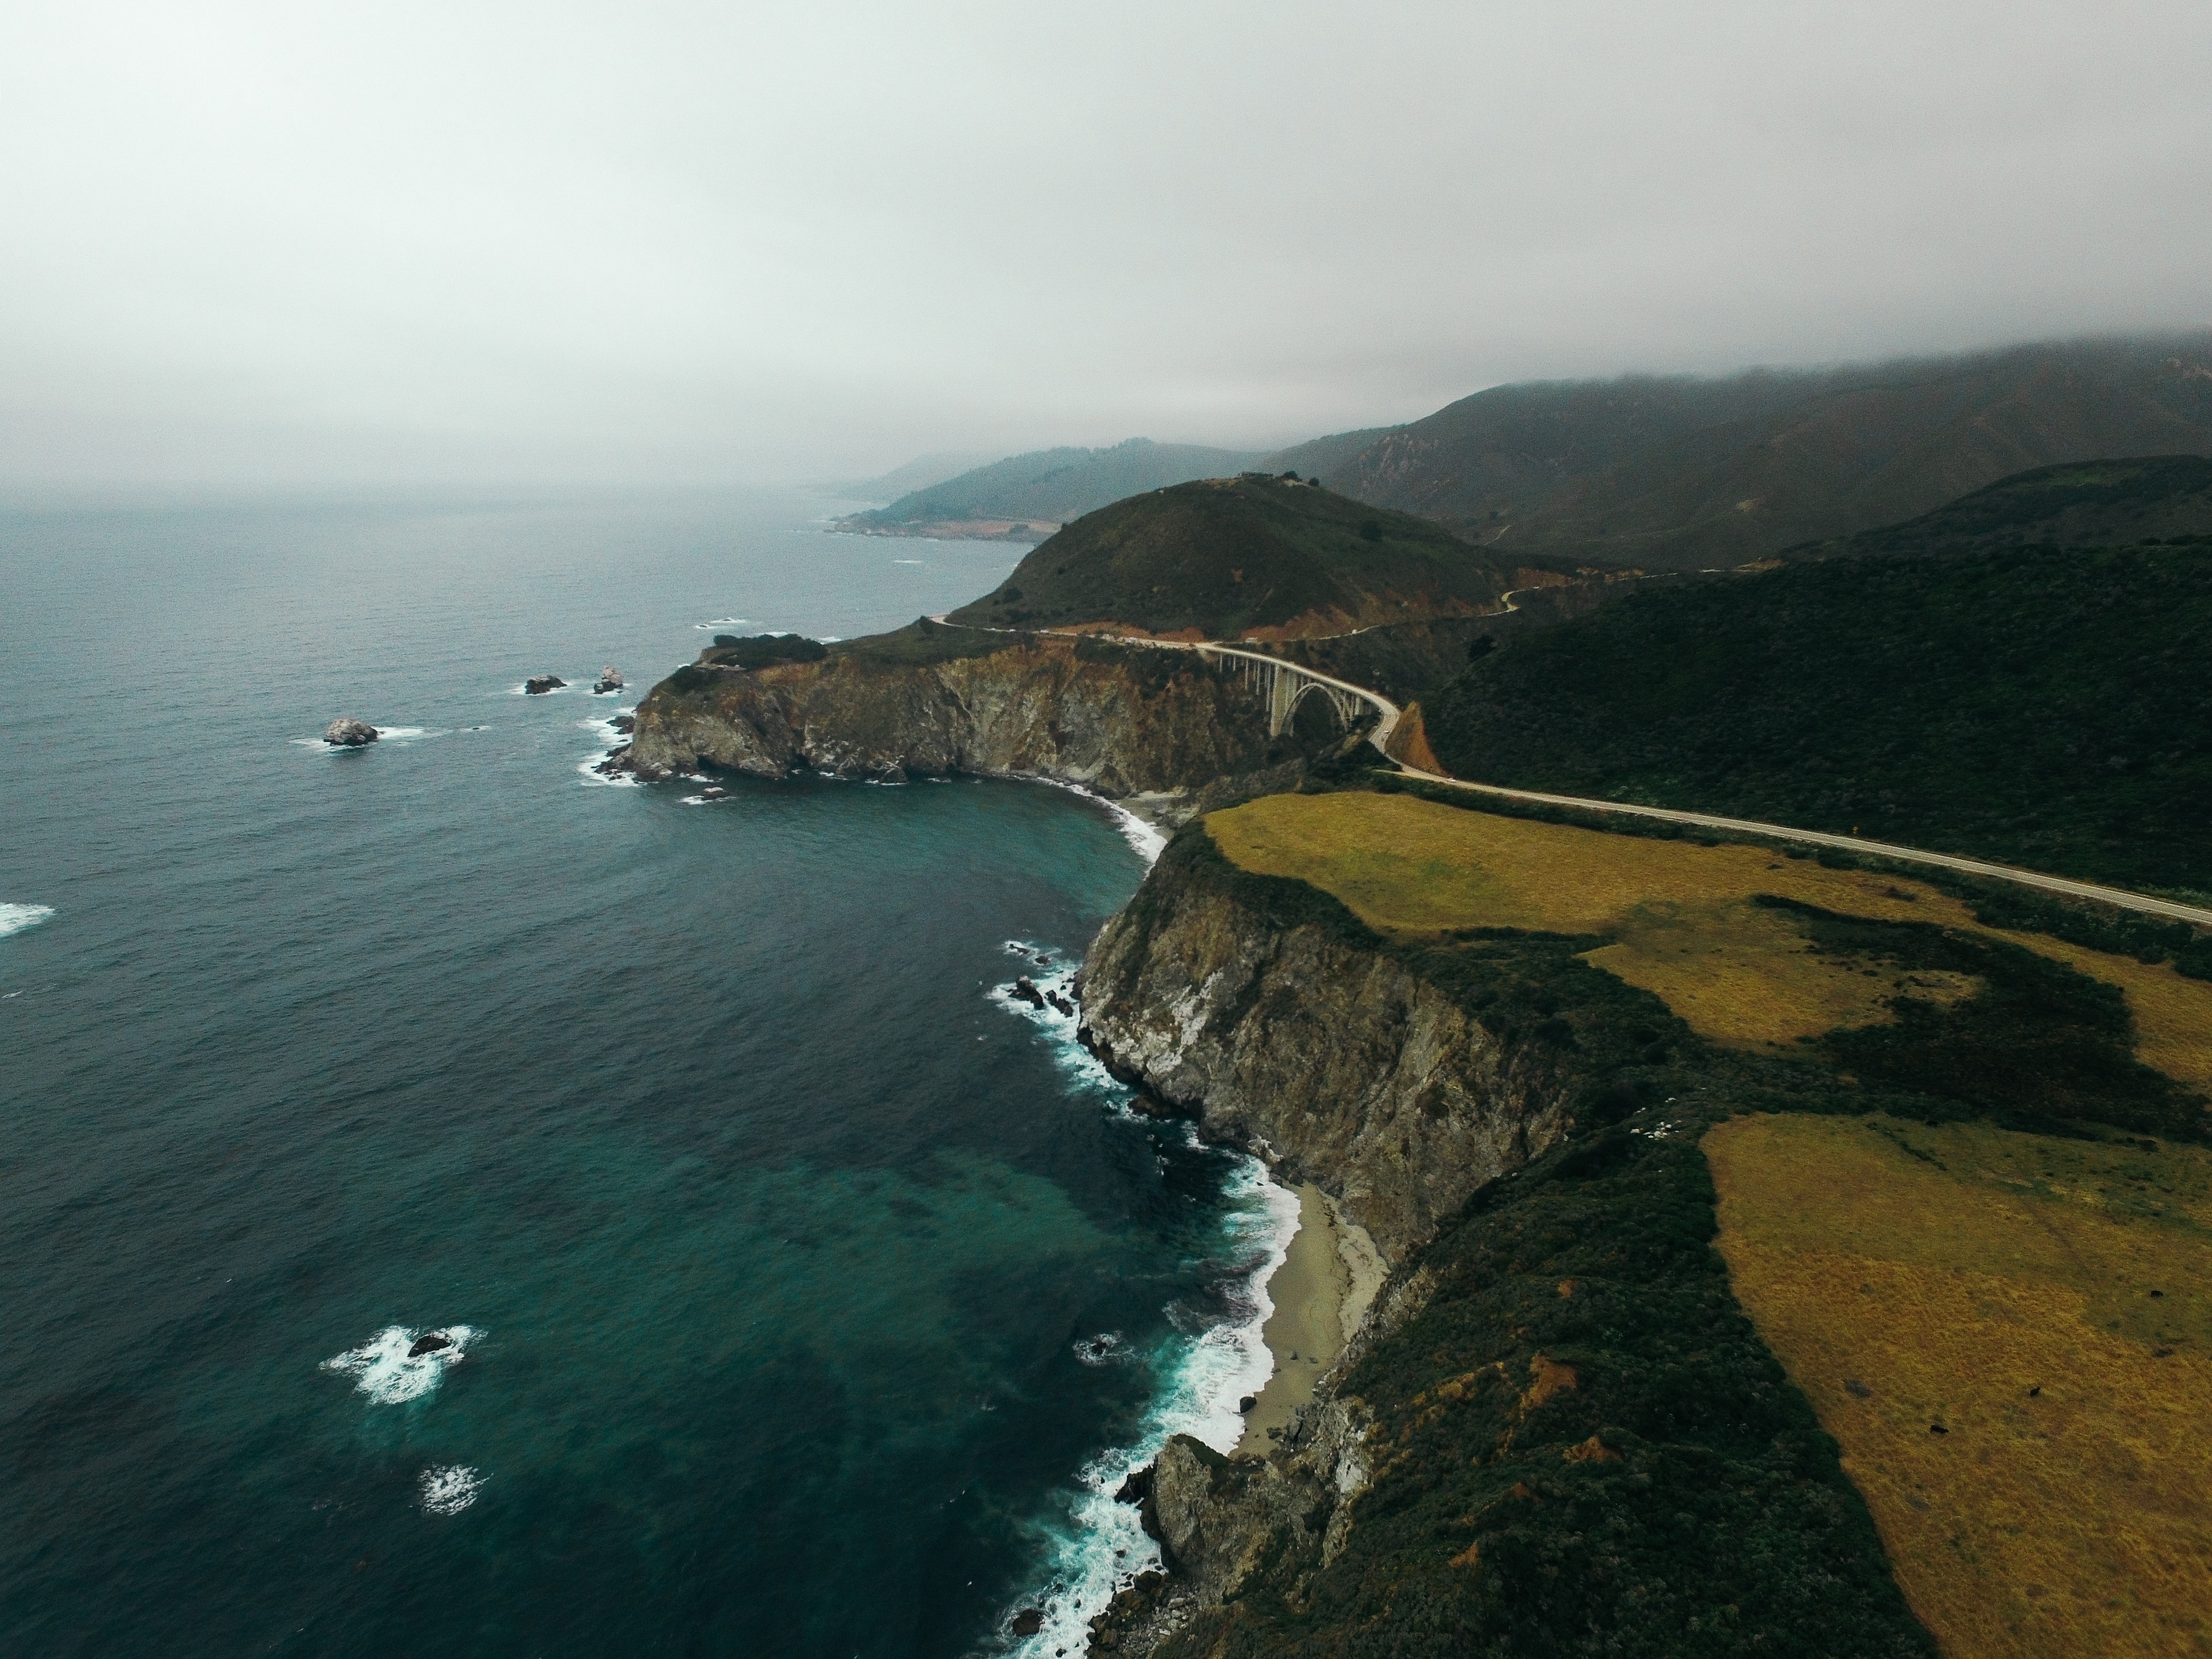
2011,1337
1683,920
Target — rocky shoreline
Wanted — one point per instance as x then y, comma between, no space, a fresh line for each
1240,1002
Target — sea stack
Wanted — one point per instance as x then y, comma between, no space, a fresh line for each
347,733
611,679
538,685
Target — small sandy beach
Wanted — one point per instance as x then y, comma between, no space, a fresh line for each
1321,1293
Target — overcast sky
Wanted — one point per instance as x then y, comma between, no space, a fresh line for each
301,242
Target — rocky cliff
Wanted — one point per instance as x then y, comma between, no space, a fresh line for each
1557,1432
1265,1011
1160,729
1401,1081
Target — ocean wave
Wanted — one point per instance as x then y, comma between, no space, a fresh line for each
384,1369
1099,1545
14,917
450,1489
723,621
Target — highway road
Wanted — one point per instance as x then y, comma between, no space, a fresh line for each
1390,712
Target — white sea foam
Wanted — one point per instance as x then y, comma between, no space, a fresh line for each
405,733
382,1370
910,562
450,1489
1148,839
604,725
14,917
1098,1545
723,621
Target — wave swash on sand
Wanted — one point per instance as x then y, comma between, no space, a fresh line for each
1208,1364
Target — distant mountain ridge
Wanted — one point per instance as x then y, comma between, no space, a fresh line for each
919,473
1027,496
1686,473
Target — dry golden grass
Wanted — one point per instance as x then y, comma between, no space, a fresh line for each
1681,918
1997,1286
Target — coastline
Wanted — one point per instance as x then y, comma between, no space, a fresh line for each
1328,1279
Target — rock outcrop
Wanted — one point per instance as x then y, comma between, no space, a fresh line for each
1294,1032
610,679
538,685
1265,1011
347,733
1163,731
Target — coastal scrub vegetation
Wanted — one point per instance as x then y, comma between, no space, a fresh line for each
2043,707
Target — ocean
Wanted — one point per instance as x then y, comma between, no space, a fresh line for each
801,1292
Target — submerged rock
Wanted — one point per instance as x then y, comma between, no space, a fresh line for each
347,733
538,685
611,679
430,1344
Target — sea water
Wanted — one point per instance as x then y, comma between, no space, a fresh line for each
452,1206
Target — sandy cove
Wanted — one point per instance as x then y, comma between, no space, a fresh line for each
1321,1293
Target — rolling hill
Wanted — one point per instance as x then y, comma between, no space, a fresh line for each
1249,556
2043,706
2075,504
1027,495
1683,473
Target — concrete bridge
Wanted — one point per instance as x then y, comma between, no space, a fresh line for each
1284,685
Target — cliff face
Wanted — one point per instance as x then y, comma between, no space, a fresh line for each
1401,1080
1329,1053
1124,721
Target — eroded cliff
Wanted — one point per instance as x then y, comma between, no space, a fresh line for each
1267,1010
1557,1432
1154,726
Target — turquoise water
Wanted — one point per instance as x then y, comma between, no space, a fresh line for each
807,1292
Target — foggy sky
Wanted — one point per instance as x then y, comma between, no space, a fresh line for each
301,242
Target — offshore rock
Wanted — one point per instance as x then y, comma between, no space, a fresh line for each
1330,1057
610,679
347,733
538,685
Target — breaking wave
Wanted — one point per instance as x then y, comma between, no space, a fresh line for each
14,917
386,1370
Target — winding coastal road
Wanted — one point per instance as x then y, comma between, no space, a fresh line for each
1390,714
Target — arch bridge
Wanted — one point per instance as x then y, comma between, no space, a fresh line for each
1282,686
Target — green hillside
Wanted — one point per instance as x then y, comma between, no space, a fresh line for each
1051,486
2075,504
1225,557
1683,473
2043,707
